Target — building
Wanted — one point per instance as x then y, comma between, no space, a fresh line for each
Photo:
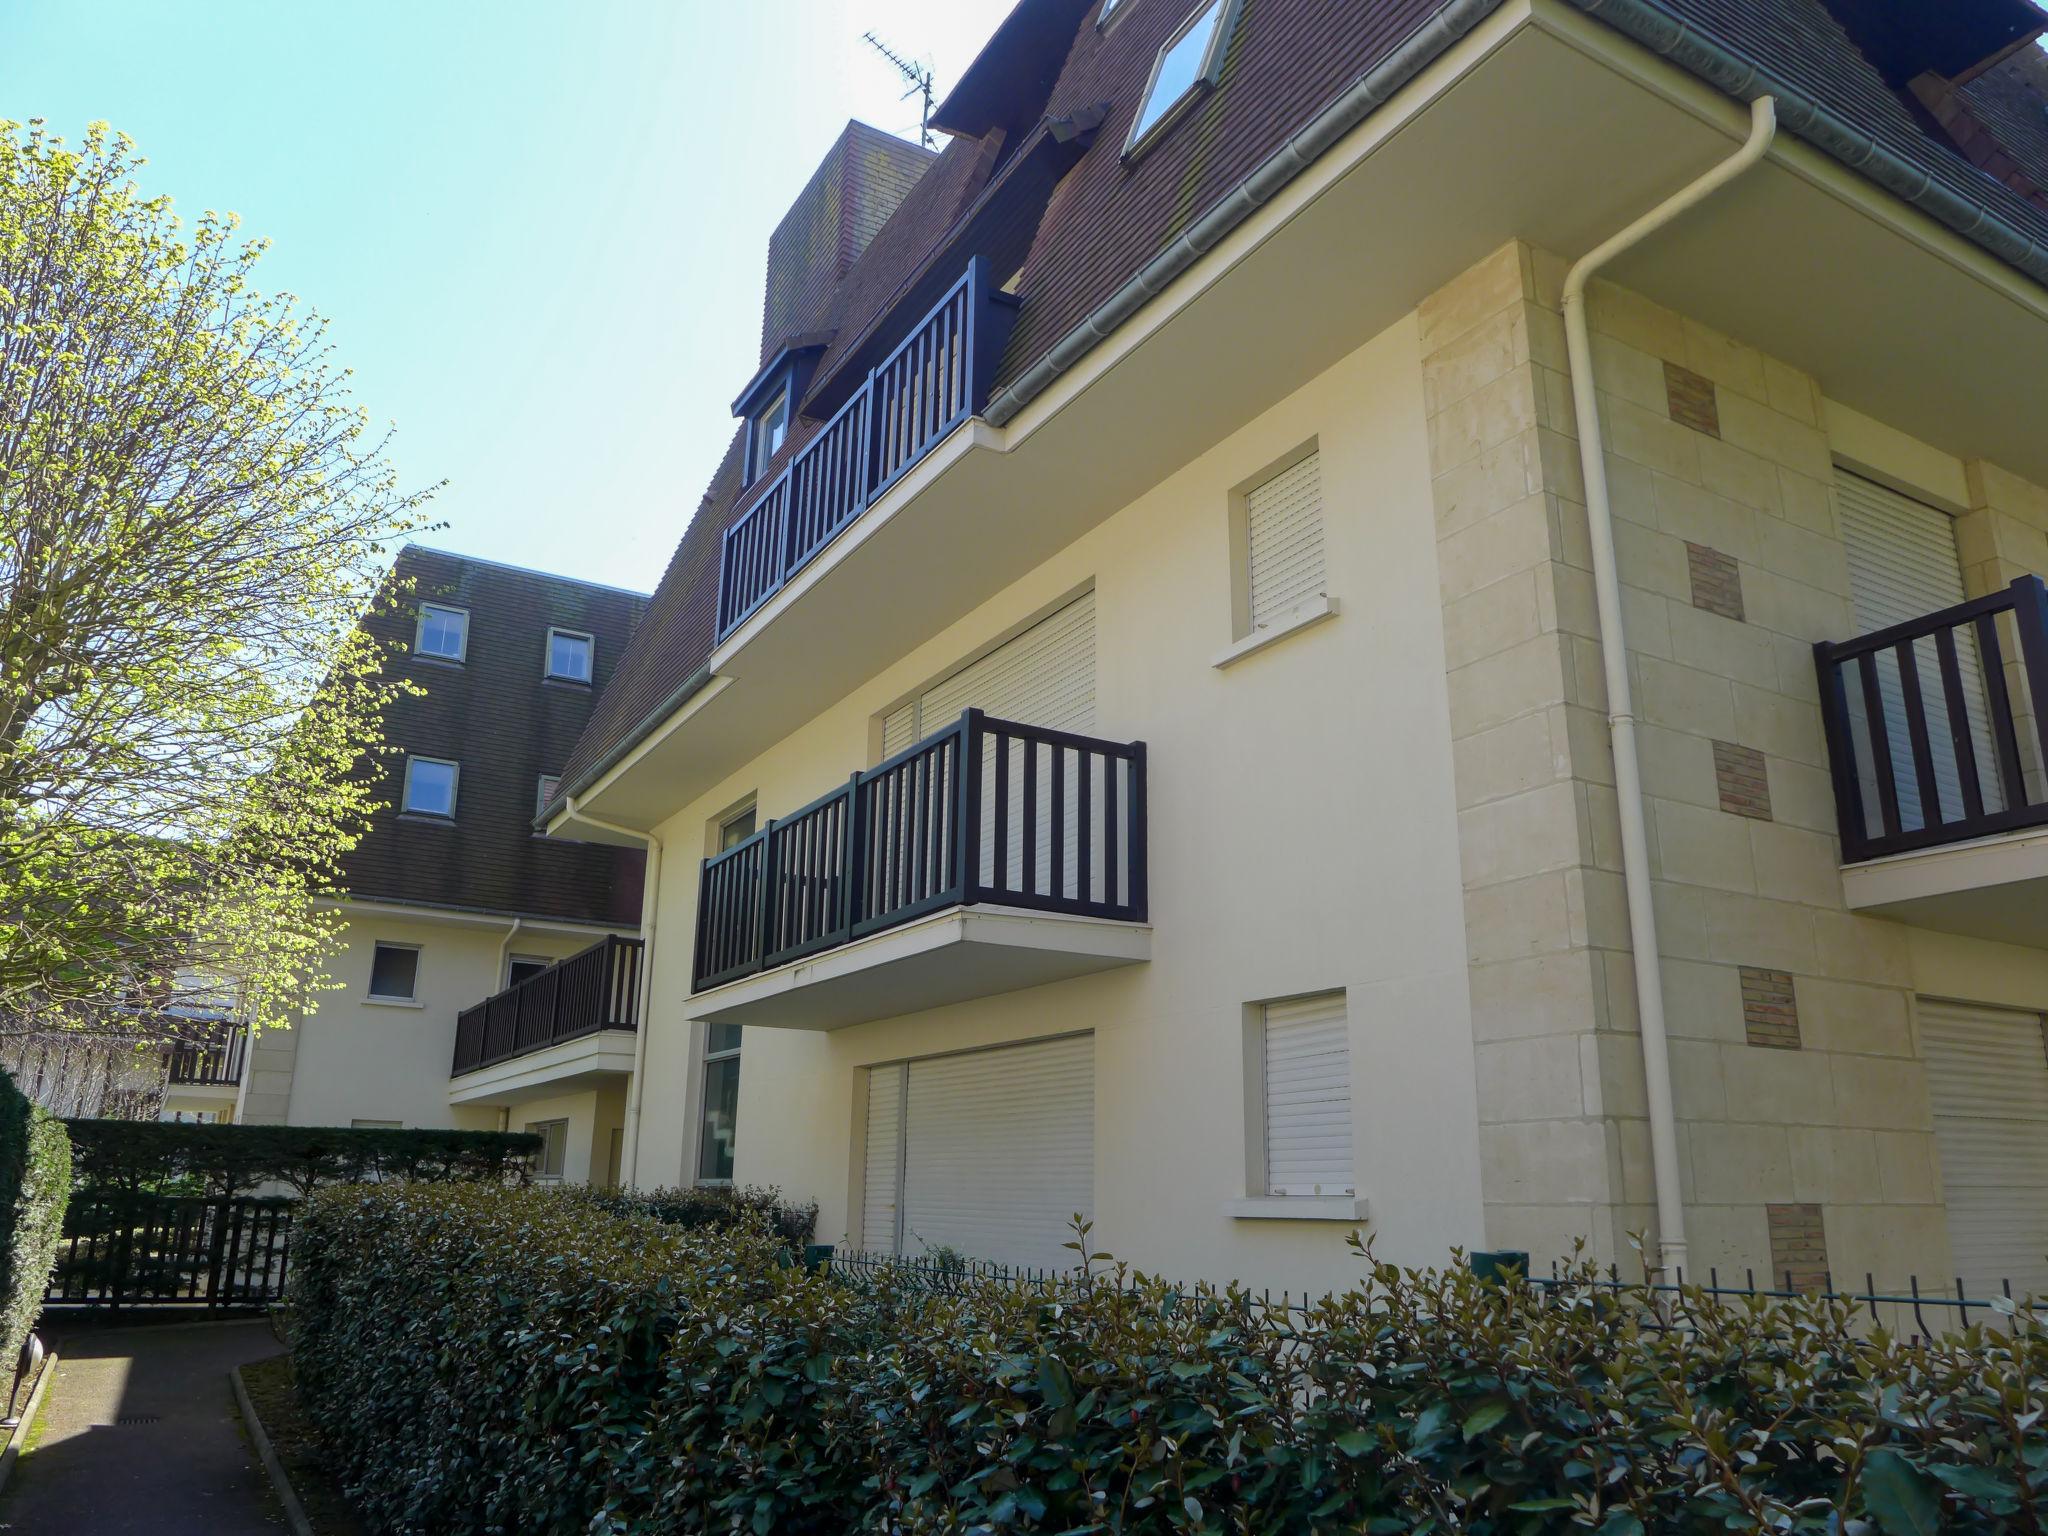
1203,696
451,898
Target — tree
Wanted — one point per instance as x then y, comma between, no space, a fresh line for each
193,515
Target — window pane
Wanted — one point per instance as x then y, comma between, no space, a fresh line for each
524,968
394,971
569,656
737,830
721,1109
1179,68
722,1037
554,1135
443,631
430,787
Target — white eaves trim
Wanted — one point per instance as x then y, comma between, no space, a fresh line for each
1303,615
1347,1208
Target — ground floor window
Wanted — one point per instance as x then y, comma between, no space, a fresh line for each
989,1154
552,1157
721,1104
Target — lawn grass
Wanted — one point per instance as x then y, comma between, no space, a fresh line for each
276,1401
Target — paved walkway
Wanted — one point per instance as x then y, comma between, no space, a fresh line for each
141,1436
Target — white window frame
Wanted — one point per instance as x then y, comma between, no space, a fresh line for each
554,1135
511,960
397,999
1111,10
547,660
1258,1203
420,630
405,805
759,449
1226,13
725,823
1245,638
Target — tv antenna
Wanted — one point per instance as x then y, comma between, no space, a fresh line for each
920,79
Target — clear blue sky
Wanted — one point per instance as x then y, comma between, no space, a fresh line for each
538,228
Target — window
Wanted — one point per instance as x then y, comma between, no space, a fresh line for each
443,632
544,792
430,786
771,429
1188,64
736,829
1109,12
377,1125
721,1104
1283,539
395,972
525,968
549,1161
569,655
1304,1058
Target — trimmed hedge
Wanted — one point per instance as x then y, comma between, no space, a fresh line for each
171,1157
487,1360
35,1184
713,1206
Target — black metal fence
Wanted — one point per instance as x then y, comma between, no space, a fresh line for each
598,988
121,1250
1911,1310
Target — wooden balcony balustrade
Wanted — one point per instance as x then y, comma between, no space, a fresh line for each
986,811
208,1055
596,989
938,377
1937,729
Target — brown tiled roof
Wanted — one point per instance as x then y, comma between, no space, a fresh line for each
2009,104
1287,60
506,725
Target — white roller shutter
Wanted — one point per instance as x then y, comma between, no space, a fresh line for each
997,1152
1308,1097
1903,565
1987,1075
1284,528
882,1171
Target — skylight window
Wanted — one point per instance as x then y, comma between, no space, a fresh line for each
569,655
1188,64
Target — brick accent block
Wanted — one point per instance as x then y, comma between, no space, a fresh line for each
1770,1009
1716,580
1743,781
1690,398
1799,1247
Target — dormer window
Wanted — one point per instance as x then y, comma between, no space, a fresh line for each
1186,69
771,429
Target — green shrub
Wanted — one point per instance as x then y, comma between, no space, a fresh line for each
35,1183
170,1157
714,1206
484,1359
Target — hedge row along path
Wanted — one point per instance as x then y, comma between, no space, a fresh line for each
141,1438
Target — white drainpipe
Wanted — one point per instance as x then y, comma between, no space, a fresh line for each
1621,717
505,945
650,899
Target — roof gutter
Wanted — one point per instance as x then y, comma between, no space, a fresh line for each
1642,21
1664,34
1370,92
693,685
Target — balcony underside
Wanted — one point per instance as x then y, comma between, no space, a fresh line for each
953,956
1993,888
568,1066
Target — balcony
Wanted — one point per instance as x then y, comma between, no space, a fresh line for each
571,1023
208,1056
936,379
989,857
1937,735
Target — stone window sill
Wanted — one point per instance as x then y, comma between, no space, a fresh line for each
393,1002
1301,616
1348,1208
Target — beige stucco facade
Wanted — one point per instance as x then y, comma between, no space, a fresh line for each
359,1058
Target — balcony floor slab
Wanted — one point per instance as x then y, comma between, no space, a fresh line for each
1991,888
584,1062
952,956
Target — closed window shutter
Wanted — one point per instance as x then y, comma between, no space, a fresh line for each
997,1152
1308,1097
1903,565
1987,1082
1284,525
899,728
882,1164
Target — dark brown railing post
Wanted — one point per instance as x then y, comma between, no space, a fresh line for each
853,859
1141,880
2030,618
1834,724
967,834
766,913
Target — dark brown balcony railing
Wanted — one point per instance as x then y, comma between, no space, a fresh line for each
1937,729
208,1056
596,989
985,811
937,378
